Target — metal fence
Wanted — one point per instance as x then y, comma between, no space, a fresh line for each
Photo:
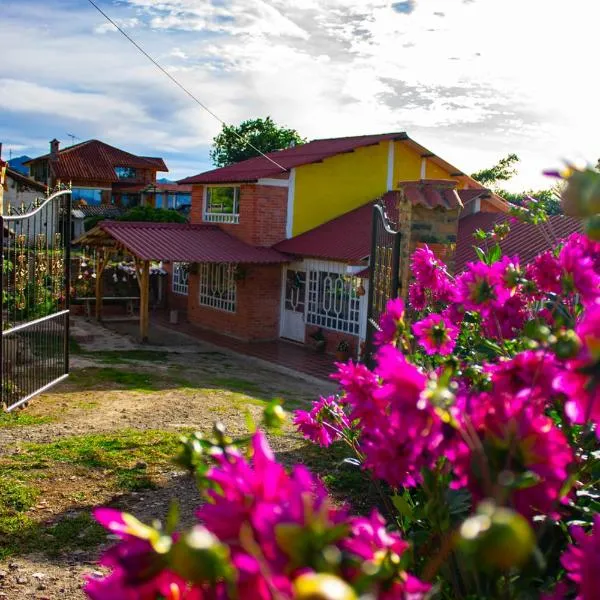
34,285
384,272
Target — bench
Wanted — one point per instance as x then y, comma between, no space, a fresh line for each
129,300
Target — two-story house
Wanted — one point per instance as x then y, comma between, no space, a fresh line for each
102,175
313,204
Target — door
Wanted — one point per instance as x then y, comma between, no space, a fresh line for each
294,302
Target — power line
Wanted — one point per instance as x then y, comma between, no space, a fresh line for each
178,84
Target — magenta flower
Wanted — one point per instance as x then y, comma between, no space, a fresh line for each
581,560
430,273
505,319
545,271
480,286
391,322
578,272
519,439
533,370
369,538
436,334
324,423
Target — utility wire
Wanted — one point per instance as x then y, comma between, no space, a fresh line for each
180,85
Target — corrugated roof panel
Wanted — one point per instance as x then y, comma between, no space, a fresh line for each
185,243
524,239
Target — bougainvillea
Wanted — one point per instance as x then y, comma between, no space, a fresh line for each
477,424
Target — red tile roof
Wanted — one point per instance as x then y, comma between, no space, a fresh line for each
524,239
348,237
181,242
303,154
96,160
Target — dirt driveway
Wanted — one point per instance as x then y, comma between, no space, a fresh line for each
108,435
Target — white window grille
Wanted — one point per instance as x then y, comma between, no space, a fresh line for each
222,205
333,302
181,273
218,286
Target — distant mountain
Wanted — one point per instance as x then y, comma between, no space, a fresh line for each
164,180
17,164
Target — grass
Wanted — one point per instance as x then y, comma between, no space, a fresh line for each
21,419
117,357
235,385
94,377
120,461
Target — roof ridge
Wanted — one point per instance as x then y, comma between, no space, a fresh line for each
363,135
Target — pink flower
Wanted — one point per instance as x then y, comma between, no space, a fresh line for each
580,382
545,272
518,439
391,322
436,334
581,560
430,273
504,319
480,286
532,370
323,423
369,536
578,271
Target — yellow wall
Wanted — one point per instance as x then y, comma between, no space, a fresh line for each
407,164
339,184
343,182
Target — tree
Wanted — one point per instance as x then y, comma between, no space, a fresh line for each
237,143
504,170
156,215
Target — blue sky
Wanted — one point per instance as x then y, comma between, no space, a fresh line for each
470,79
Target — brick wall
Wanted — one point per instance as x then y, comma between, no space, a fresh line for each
263,211
257,306
174,301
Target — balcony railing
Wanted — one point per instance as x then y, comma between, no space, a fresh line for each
221,218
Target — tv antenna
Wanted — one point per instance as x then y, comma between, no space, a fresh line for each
73,138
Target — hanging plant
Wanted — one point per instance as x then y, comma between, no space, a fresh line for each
240,272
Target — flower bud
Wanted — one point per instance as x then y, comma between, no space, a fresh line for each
497,537
322,586
567,344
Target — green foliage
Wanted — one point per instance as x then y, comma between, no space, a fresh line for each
503,170
232,145
155,215
91,222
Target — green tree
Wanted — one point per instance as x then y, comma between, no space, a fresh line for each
237,143
504,170
156,215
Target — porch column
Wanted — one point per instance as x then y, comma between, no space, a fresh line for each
102,257
143,273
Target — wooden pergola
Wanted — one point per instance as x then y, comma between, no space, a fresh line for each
106,246
174,242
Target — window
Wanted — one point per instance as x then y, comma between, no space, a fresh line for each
222,205
180,278
89,196
125,172
217,286
333,302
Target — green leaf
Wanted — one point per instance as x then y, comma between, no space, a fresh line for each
494,255
402,506
480,254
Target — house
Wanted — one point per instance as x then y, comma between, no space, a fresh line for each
313,204
20,191
102,175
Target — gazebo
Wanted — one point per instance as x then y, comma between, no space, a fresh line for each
175,242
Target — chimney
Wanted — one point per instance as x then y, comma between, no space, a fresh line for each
54,145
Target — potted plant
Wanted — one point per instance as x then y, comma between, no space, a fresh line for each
342,353
320,341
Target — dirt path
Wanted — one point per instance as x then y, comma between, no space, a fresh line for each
106,436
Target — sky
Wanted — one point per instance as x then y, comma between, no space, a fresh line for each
472,80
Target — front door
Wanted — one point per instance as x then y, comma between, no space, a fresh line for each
294,302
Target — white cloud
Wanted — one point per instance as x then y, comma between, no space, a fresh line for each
486,79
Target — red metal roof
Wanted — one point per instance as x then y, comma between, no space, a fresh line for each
184,243
348,237
303,154
524,239
96,160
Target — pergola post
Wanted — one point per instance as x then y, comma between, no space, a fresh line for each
102,257
143,275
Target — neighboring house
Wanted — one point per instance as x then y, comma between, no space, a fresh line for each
20,191
317,211
100,174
